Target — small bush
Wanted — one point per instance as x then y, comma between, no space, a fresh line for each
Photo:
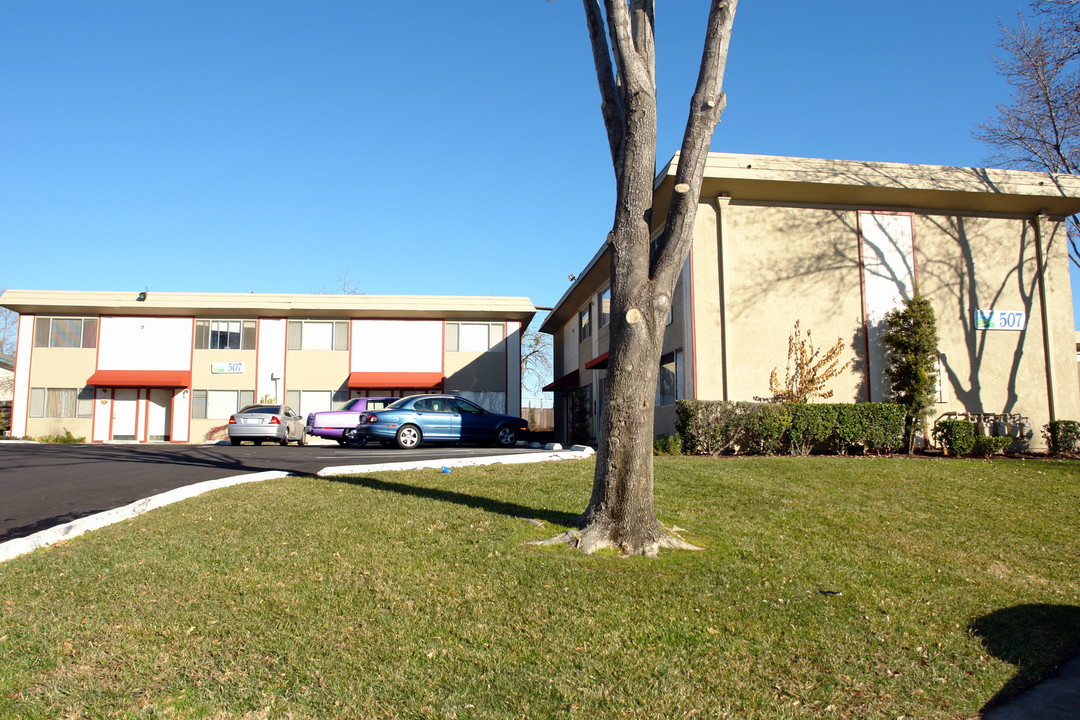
711,428
956,436
987,445
766,426
667,445
1062,436
66,438
810,425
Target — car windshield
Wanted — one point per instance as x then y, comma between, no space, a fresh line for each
263,409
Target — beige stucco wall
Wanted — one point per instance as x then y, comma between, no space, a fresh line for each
316,370
778,265
475,371
203,379
61,368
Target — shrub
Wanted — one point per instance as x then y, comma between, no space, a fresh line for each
853,427
765,428
987,445
810,425
667,445
956,436
66,438
711,428
886,427
1062,436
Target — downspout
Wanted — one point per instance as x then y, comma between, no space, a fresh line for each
1040,223
722,203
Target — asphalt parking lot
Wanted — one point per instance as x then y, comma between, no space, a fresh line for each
46,485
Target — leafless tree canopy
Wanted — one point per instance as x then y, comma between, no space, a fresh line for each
9,329
1039,127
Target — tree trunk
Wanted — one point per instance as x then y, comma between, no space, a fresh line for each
620,513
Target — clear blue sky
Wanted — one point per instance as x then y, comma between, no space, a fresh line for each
425,147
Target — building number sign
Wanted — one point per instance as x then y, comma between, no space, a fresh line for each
226,368
1000,320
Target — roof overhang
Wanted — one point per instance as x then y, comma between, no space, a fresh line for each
141,378
385,380
41,302
568,381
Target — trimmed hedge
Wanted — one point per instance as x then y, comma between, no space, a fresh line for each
956,436
1062,436
987,445
717,427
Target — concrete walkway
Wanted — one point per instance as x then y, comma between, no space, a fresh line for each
1056,698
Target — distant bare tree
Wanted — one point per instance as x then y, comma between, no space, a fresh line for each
9,329
536,360
345,286
1039,127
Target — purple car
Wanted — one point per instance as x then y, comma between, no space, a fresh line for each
333,424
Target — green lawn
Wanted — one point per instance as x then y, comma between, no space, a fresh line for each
829,588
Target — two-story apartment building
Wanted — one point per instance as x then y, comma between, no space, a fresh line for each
172,366
836,245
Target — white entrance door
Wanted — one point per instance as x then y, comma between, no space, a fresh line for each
159,416
125,410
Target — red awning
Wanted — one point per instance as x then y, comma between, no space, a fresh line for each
395,380
597,363
566,382
141,378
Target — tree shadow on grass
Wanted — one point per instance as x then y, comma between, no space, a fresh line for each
1037,639
474,501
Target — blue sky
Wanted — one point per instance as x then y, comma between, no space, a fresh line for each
420,148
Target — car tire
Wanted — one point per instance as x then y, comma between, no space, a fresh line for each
284,440
234,441
302,440
349,438
506,437
408,437
257,442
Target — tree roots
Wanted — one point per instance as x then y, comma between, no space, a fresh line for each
596,537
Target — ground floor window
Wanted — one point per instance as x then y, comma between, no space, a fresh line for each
669,385
490,401
61,402
219,404
392,392
306,402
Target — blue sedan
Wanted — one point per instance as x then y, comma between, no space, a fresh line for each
439,418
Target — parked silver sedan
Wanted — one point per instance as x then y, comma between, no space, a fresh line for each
272,423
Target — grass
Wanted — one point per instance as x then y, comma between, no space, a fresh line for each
830,588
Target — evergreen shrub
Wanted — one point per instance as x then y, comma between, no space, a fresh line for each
1062,436
987,445
956,436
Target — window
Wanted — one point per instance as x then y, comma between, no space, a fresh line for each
306,402
669,384
219,404
224,334
60,332
475,337
61,402
584,323
318,335
603,307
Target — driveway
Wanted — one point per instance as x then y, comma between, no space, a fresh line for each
46,485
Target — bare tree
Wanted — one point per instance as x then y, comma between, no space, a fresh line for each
9,329
620,513
1039,128
536,360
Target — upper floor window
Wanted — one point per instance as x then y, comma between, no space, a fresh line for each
585,322
65,332
318,335
603,309
475,337
224,334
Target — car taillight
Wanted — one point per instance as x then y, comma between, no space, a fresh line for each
373,418
232,419
274,420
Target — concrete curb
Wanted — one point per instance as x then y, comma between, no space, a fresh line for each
456,462
21,546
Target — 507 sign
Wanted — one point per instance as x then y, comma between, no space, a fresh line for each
1000,320
226,368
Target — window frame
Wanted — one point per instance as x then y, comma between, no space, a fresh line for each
45,333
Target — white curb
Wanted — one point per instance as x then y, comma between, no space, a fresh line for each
456,462
21,546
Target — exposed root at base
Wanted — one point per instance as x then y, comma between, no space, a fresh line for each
592,539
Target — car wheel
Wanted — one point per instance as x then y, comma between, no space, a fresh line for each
506,437
302,440
408,437
284,440
234,441
351,439
257,442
